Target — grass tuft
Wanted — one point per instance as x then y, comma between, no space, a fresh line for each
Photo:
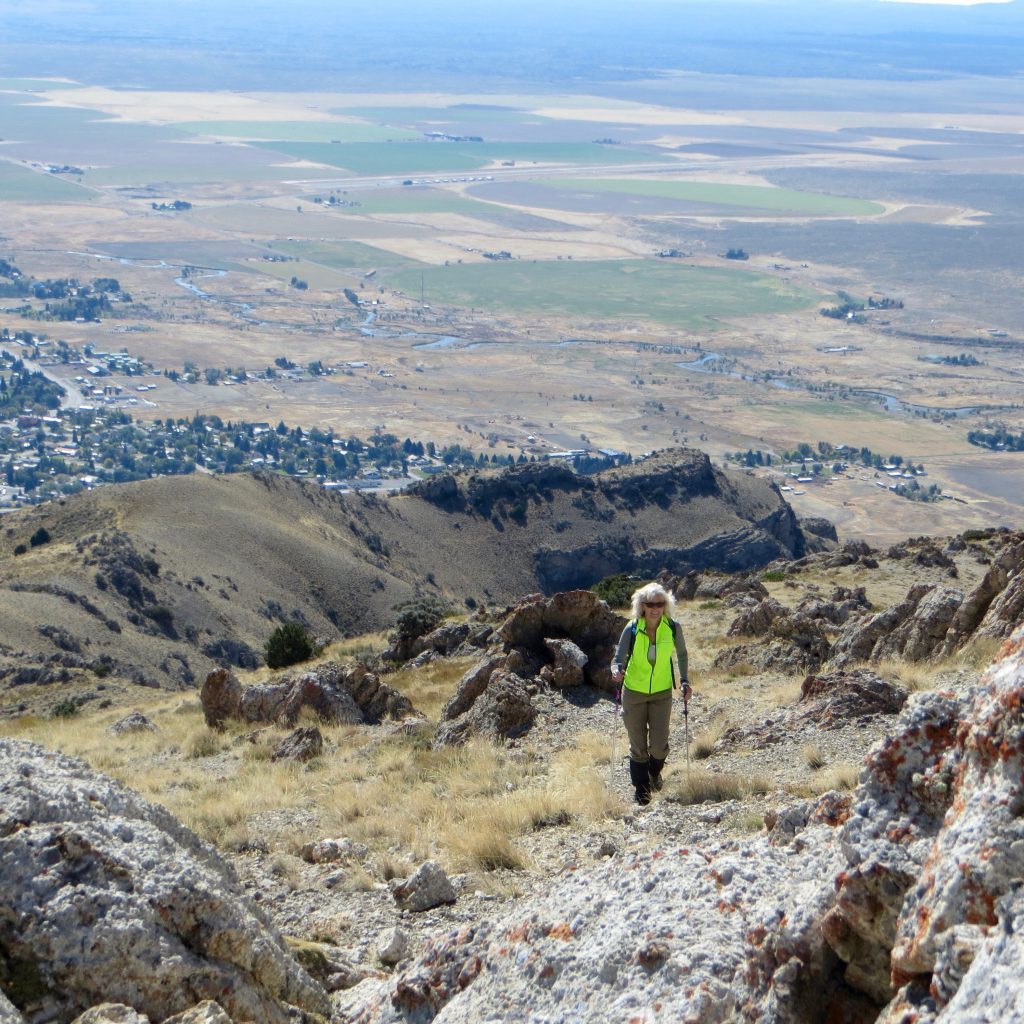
813,757
700,786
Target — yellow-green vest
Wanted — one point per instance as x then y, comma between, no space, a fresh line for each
641,675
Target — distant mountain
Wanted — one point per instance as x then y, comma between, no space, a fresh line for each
164,579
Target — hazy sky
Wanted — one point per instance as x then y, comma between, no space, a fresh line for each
948,3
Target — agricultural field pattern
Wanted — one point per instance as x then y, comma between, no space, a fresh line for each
524,266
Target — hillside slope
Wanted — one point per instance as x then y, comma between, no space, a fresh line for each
161,580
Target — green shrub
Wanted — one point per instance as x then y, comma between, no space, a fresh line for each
159,614
774,576
288,645
41,536
20,549
419,616
66,708
617,590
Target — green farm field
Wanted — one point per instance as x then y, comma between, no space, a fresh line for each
275,222
378,158
296,131
418,200
758,197
680,296
343,256
471,113
21,185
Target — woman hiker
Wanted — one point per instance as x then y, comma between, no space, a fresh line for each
643,665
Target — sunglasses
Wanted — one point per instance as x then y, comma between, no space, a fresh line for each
654,604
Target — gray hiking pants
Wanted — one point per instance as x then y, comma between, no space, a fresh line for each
647,718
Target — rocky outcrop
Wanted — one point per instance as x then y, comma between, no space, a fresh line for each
1006,612
300,745
104,896
562,641
793,643
928,903
914,629
722,586
567,668
427,887
934,622
842,604
757,620
899,902
134,721
335,693
577,615
502,711
831,700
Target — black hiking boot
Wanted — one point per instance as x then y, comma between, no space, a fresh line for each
655,770
640,776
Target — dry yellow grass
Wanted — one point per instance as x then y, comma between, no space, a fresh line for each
813,757
431,686
841,777
700,785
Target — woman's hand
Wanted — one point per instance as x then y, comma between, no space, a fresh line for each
617,675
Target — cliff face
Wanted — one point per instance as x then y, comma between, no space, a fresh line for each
674,511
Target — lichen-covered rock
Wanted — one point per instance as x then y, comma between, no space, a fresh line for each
104,896
725,933
898,809
135,721
300,745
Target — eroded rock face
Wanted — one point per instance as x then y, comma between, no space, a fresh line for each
562,641
502,711
567,668
576,615
831,700
793,643
336,693
935,853
106,897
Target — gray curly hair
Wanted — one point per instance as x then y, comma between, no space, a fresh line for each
649,592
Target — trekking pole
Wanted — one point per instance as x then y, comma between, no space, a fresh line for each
686,729
613,763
